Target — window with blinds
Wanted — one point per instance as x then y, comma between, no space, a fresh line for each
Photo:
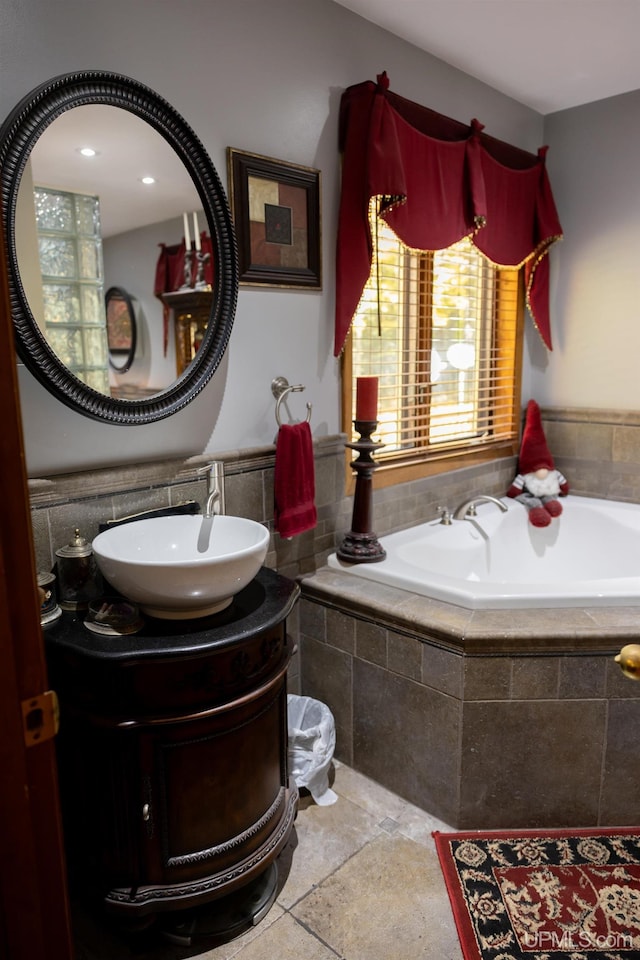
442,332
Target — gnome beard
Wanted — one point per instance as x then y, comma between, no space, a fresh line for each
537,491
542,483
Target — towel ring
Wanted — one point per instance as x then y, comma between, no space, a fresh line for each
281,388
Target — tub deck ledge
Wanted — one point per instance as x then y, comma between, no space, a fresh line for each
562,630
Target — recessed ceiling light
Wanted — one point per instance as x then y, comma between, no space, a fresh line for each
148,180
88,151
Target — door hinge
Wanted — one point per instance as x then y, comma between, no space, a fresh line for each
40,717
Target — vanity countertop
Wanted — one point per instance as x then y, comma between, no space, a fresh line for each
263,604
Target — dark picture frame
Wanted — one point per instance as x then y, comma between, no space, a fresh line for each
121,329
276,211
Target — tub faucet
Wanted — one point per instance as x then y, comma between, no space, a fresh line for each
215,489
467,510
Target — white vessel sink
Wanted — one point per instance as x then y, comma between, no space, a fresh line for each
180,567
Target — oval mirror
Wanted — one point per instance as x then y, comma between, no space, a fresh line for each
122,329
135,123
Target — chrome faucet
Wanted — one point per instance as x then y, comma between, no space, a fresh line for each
215,489
467,510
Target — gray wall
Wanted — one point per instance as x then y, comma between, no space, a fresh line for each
265,78
593,164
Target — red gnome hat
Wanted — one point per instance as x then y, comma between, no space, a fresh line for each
534,453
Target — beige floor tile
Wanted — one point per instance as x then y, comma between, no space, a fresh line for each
388,901
410,821
418,825
366,793
230,950
322,840
285,940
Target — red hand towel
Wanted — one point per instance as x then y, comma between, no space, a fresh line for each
294,480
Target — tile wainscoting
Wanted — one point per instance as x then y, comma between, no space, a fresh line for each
597,450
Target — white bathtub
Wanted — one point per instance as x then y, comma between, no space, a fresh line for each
589,556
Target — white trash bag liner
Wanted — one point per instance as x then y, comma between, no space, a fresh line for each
312,740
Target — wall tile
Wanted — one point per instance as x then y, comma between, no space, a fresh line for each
620,802
561,437
404,655
371,642
535,678
325,481
443,670
245,497
487,678
42,542
618,686
405,736
130,502
326,675
626,444
531,764
594,441
341,630
582,677
312,619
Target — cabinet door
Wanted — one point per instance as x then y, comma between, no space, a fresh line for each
216,795
102,801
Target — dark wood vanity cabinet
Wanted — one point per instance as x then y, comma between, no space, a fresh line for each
173,752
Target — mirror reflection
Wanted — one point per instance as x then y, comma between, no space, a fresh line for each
122,332
102,194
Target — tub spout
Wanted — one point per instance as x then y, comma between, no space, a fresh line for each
467,510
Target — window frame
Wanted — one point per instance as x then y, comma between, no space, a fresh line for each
420,463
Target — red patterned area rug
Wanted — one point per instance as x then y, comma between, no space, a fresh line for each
544,895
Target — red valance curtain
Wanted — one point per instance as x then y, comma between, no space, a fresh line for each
439,181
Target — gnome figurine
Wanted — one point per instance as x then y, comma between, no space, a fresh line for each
538,484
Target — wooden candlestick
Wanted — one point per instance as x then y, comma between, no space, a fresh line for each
361,545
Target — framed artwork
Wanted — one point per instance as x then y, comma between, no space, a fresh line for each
276,213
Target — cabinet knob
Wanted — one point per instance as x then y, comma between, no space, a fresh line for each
146,812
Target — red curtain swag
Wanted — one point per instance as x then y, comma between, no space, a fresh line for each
439,181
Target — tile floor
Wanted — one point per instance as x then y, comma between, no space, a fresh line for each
359,880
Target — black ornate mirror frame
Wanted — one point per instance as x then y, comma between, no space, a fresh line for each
18,135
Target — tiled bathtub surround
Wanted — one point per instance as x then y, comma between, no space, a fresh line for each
486,719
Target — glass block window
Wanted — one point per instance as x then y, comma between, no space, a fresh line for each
70,248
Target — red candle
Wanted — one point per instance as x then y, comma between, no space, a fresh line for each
367,398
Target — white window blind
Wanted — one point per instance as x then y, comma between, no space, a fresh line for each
440,331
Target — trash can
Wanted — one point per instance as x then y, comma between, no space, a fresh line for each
312,740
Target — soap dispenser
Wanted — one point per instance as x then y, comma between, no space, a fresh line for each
79,579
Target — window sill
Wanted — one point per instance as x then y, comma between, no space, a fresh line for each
389,474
